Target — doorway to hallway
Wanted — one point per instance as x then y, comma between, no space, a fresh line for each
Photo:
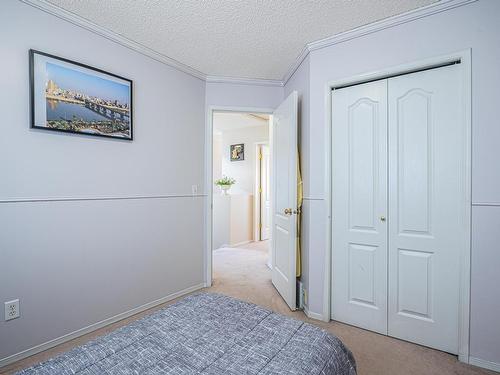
223,153
241,193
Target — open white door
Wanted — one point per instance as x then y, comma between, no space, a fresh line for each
284,198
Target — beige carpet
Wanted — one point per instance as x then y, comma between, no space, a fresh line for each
242,273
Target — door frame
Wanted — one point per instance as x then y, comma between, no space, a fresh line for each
208,206
257,204
464,57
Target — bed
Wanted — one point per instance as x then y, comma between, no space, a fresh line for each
208,333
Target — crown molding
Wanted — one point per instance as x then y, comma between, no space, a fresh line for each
111,35
386,23
295,65
412,15
245,81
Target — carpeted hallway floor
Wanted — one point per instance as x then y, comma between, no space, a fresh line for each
242,273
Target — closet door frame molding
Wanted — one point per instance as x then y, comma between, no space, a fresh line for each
464,58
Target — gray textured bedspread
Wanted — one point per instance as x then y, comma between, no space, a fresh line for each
208,334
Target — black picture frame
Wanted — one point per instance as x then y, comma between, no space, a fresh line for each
237,152
33,113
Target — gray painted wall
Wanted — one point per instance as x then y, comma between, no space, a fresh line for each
75,263
485,327
240,95
474,26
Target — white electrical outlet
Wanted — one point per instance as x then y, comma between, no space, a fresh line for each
12,309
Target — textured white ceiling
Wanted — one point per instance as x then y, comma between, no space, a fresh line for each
224,121
245,39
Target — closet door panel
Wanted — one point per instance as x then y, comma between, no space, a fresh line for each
426,206
359,162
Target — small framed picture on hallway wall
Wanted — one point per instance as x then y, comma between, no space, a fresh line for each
70,97
237,152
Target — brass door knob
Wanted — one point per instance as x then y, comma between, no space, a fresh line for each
382,218
288,211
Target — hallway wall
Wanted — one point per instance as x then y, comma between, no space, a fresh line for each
242,171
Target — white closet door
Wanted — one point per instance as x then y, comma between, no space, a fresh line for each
359,161
426,206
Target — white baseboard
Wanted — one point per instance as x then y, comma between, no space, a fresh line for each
312,315
484,364
82,331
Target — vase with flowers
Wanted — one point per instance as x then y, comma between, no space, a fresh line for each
225,184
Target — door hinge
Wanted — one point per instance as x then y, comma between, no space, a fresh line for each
260,155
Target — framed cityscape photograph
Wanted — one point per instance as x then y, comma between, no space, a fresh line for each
70,97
